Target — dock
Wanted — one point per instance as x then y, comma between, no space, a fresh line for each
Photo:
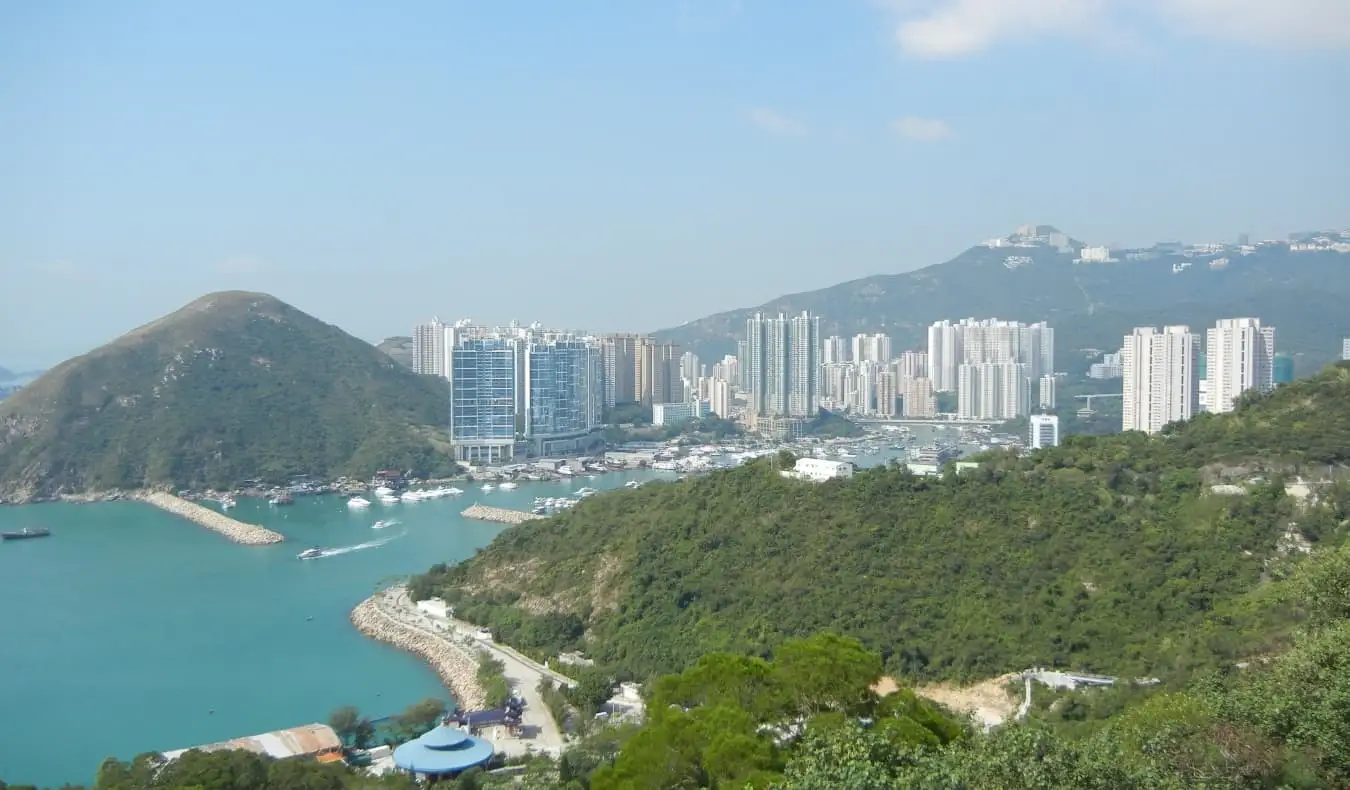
237,531
500,515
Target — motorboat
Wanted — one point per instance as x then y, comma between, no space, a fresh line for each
383,491
508,486
487,487
309,554
227,502
358,502
381,524
389,500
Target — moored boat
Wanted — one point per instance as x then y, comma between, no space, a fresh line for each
358,502
25,534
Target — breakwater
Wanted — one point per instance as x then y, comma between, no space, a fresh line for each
500,515
237,531
457,666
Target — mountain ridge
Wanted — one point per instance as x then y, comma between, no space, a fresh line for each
1039,282
233,386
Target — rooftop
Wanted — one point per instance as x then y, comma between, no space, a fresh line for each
304,741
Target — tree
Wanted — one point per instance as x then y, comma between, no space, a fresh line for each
827,672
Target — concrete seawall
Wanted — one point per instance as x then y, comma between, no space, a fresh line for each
457,666
498,514
237,531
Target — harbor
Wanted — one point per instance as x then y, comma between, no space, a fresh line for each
499,515
237,531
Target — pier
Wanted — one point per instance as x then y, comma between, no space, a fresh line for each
500,515
237,531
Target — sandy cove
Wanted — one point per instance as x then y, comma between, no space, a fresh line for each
237,531
457,666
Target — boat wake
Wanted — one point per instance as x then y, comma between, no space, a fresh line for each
370,544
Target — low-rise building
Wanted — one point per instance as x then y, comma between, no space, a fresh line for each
316,741
819,470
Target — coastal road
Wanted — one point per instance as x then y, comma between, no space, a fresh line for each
522,673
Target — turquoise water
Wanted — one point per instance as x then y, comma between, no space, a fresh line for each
129,630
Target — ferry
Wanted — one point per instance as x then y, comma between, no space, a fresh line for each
309,554
25,534
358,502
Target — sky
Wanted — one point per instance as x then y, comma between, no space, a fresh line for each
612,165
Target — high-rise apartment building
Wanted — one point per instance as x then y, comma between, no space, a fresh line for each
1160,377
514,389
783,365
1239,356
1345,349
872,348
690,368
920,400
1044,431
911,365
429,348
833,351
993,391
742,380
619,355
972,342
720,398
658,378
1045,392
887,392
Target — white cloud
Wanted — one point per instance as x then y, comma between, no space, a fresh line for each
955,28
924,130
777,124
239,264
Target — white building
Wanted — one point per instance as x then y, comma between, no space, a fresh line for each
1160,381
1044,431
1095,255
833,350
1045,392
993,391
872,348
429,348
1345,349
972,342
719,397
819,470
911,365
664,414
1240,356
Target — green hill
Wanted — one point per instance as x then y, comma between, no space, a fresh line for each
1108,554
1090,305
232,387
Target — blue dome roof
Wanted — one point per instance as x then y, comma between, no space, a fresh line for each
443,750
443,737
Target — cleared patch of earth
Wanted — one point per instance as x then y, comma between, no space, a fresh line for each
987,701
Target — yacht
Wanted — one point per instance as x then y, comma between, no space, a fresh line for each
358,502
487,487
585,492
381,524
384,491
411,496
309,554
508,486
388,499
227,502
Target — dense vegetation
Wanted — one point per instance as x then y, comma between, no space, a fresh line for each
235,386
1108,554
1301,293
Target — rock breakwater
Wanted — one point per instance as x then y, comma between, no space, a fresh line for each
500,515
457,666
237,531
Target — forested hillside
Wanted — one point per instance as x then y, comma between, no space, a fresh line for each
1111,554
233,386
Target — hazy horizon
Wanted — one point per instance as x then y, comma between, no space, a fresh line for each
625,168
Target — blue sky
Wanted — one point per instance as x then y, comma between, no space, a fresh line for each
620,165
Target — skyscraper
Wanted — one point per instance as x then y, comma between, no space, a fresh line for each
619,358
919,398
1239,356
833,351
872,348
429,348
973,342
1160,377
783,365
658,377
993,390
483,388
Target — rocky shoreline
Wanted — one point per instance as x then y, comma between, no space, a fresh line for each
457,666
500,515
237,531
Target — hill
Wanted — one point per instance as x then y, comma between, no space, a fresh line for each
1089,304
399,349
6,374
232,387
1106,554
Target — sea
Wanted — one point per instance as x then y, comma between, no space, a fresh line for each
130,630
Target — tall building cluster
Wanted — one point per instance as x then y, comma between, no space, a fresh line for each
992,365
862,376
1171,374
781,370
515,390
641,369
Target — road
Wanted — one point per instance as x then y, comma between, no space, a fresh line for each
539,732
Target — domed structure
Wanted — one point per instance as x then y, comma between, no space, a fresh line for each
442,751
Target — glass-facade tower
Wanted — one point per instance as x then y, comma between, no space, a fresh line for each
483,378
564,390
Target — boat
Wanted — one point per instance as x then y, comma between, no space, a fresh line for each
507,486
383,491
281,499
227,502
309,554
25,533
487,487
388,500
381,524
358,502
